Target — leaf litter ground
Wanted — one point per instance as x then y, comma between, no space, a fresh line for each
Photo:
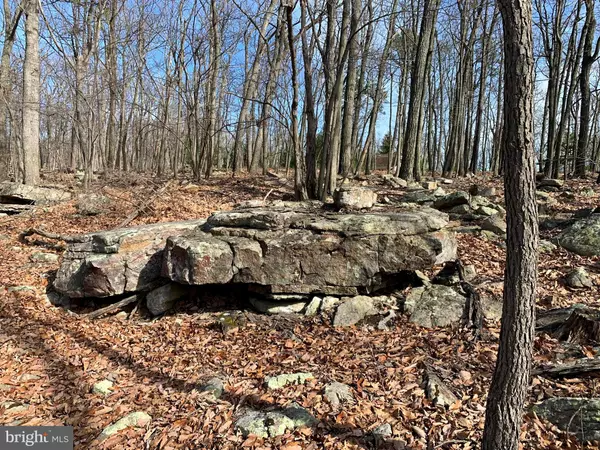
50,358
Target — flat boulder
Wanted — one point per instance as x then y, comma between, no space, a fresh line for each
331,252
114,262
26,194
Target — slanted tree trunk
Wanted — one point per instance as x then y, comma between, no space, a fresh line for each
511,376
31,95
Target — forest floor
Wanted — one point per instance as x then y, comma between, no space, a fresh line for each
50,358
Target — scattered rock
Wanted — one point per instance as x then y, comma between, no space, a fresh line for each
579,278
447,181
215,386
574,415
452,200
138,419
429,185
353,310
279,381
91,204
277,307
313,307
434,306
103,387
460,209
437,391
14,407
21,288
419,196
394,182
230,323
545,246
354,198
495,224
273,423
337,394
382,431
383,323
329,303
162,299
40,257
552,183
57,299
582,237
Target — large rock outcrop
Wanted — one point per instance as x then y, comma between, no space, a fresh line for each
286,248
114,262
26,194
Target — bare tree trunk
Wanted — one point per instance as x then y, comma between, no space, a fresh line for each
299,170
11,22
31,95
584,86
417,88
508,391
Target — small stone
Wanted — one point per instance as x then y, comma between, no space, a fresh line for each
383,323
447,181
6,387
437,391
495,224
14,407
138,419
452,200
162,299
485,211
337,394
313,307
215,386
40,257
273,423
329,303
434,306
353,310
103,387
429,185
465,376
579,278
279,381
21,288
28,377
122,315
354,198
548,182
382,431
460,209
277,307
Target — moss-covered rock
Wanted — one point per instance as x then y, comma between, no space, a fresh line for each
580,416
583,237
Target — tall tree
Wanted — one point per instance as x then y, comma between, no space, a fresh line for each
11,20
419,76
31,95
511,376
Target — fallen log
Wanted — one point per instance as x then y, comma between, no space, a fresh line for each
112,308
550,321
575,369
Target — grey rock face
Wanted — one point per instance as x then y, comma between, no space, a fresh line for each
162,299
580,416
117,261
273,423
353,310
579,278
451,200
583,237
354,198
215,386
41,257
324,251
495,224
434,306
16,192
